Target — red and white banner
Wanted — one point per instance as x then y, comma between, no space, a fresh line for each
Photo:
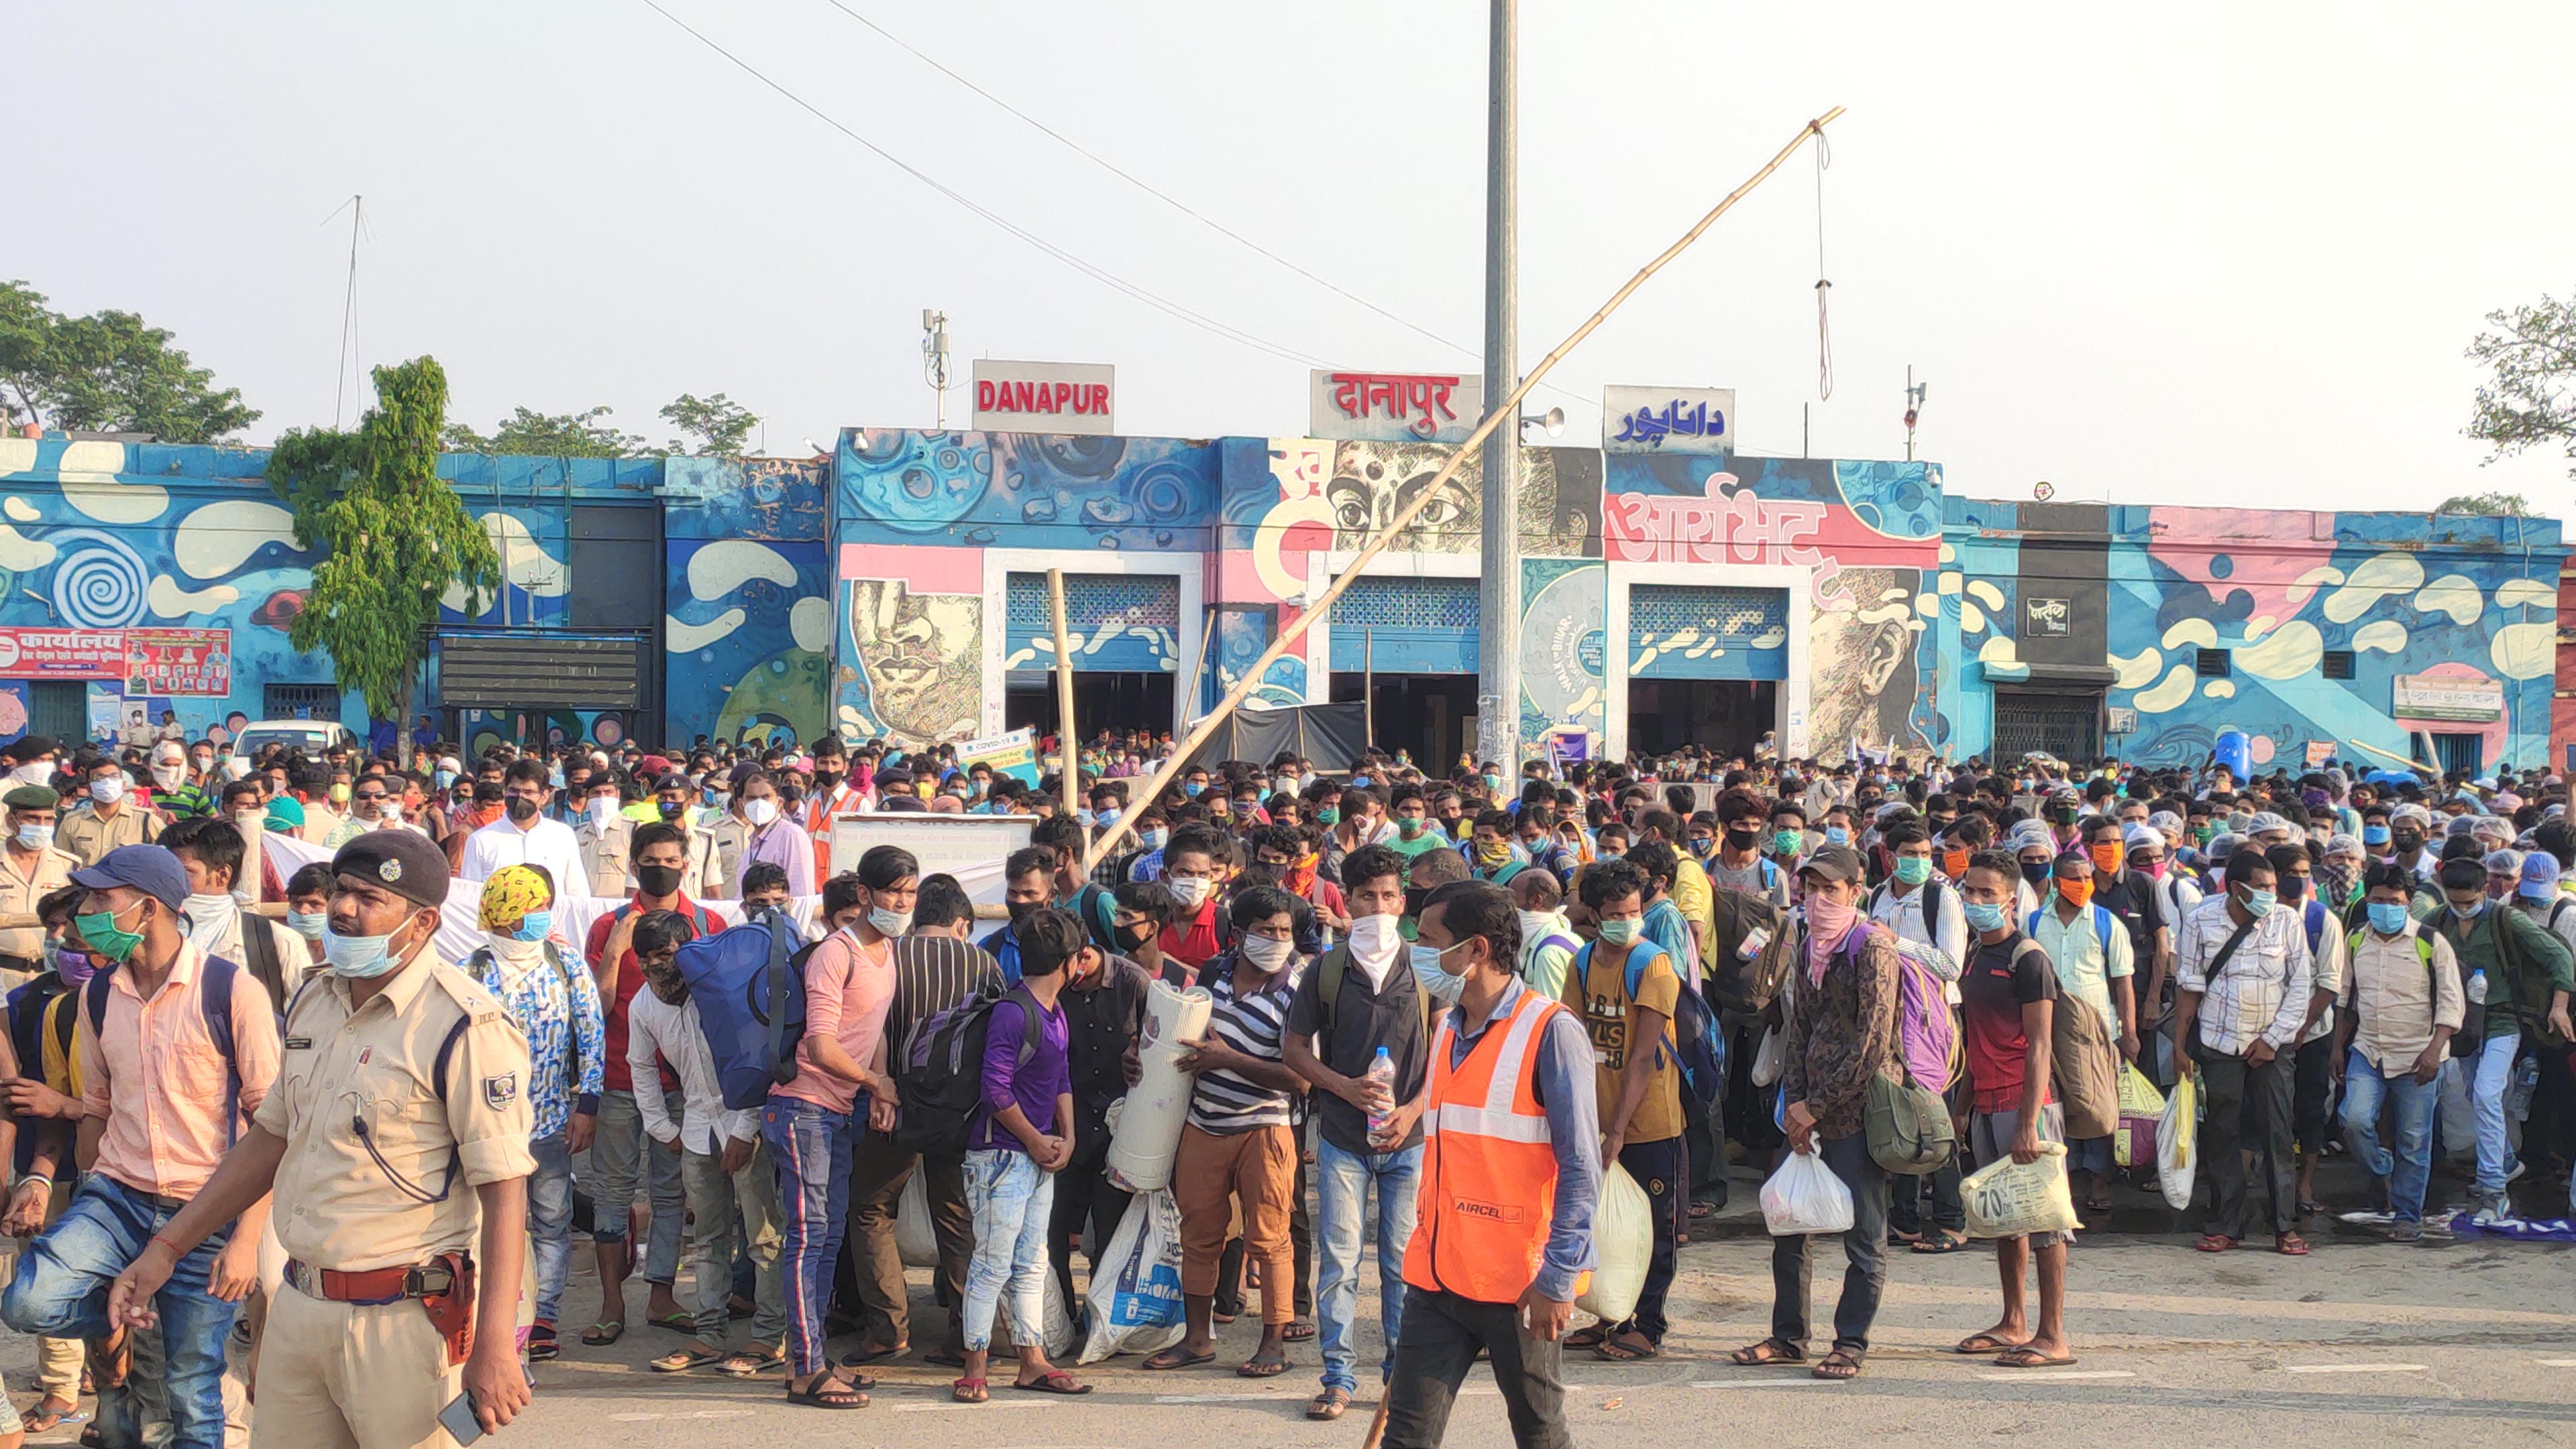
179,661
63,653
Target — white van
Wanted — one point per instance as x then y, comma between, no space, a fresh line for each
311,736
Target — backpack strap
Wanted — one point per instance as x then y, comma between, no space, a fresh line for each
215,999
259,946
94,1001
776,924
2102,923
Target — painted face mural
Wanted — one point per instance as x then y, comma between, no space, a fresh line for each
1860,651
918,666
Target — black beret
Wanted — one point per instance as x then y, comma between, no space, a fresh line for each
406,862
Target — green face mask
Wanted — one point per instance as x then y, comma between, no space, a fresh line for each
1913,869
1621,931
1787,842
100,930
1329,815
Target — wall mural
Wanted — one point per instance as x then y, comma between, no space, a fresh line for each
1565,606
1025,490
748,640
911,644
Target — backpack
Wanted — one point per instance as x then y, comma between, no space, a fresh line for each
2473,1021
259,943
1741,983
215,999
1907,1125
2084,1062
1693,1041
1926,1030
750,989
1330,970
939,1083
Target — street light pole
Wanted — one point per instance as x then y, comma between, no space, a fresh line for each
1498,598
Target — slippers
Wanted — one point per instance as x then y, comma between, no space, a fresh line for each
2027,1357
970,1391
752,1363
1981,1345
1054,1381
696,1355
1946,1242
676,1322
42,1419
2214,1243
869,1353
603,1333
543,1345
1769,1351
1622,1350
2290,1245
1298,1332
1590,1337
827,1392
1262,1368
1328,1405
944,1358
1173,1358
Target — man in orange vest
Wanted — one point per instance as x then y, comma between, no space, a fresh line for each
1511,1169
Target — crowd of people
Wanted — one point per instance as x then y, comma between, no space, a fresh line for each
281,1109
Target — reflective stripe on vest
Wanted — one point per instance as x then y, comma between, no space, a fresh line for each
1488,1190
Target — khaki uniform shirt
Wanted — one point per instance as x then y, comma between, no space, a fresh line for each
355,1201
24,882
605,854
732,838
86,835
703,878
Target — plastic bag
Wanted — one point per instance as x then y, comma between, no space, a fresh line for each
1623,1232
1804,1196
2006,1199
1136,1286
1771,1058
2177,1141
913,1240
2133,1142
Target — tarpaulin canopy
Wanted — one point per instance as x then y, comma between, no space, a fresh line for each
1331,735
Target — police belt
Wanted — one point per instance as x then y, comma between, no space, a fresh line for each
380,1285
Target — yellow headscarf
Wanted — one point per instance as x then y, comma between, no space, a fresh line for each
512,892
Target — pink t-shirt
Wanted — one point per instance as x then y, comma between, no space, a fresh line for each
847,990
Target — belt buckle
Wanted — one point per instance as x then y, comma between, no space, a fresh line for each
417,1281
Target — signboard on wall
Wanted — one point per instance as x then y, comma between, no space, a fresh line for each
1014,754
1045,397
63,653
970,847
2045,618
1394,407
2320,751
1668,420
2452,698
179,661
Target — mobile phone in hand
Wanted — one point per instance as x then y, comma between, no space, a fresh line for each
459,1421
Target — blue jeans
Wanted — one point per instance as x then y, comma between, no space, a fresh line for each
61,1291
550,1221
811,1144
1342,1181
2493,1073
620,1158
2411,1165
1012,1200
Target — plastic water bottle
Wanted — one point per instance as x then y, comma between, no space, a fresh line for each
2517,1098
1381,1074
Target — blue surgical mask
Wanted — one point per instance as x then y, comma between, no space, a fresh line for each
1154,838
1836,835
2258,904
2471,911
1984,915
1109,818
2388,917
2374,835
360,956
1441,985
533,926
443,778
308,924
35,837
1193,788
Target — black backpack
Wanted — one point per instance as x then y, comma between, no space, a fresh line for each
939,1083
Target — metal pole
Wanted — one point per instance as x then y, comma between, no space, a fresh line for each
1066,745
1368,685
1498,597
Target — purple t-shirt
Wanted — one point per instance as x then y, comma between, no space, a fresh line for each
1034,1084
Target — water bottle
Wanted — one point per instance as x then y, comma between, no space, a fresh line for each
2477,988
1381,1073
2517,1098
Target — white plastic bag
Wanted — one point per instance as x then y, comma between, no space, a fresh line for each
2006,1199
1771,1058
1136,1287
1623,1234
2178,1142
1804,1196
913,1239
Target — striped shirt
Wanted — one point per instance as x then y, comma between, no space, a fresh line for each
932,974
1253,1025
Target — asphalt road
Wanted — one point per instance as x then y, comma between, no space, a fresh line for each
2361,1342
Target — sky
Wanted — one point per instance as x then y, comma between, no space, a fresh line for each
2186,254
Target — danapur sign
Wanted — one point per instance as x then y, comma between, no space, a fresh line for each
1045,397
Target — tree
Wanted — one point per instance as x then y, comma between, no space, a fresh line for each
106,372
721,425
2487,505
547,435
2530,401
394,537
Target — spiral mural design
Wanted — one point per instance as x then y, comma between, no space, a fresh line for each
100,582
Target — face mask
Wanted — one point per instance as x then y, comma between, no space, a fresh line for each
2155,869
359,957
1376,939
202,764
1110,817
2374,835
1621,931
2078,893
1194,788
2036,871
1439,985
35,837
100,930
107,790
339,794
2388,917
1836,835
1984,915
1132,938
1609,854
75,967
603,809
716,799
657,880
2107,858
1913,869
442,778
1266,953
308,924
1786,842
1022,910
890,923
168,777
2258,904
2469,912
1703,846
2200,834
1153,839
1408,827
521,809
759,812
1189,890
1954,863
1329,815
2294,889
533,926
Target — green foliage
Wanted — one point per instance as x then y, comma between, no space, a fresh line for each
547,435
395,537
106,372
719,426
2487,505
2529,401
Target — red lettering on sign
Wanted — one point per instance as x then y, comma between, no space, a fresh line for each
984,394
1100,398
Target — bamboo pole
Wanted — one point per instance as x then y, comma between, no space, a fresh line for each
1496,415
1377,1422
1066,744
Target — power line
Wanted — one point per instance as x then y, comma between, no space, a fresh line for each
1096,273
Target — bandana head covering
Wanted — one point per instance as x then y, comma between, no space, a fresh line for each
512,892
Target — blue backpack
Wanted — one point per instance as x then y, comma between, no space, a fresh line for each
1693,1040
2103,924
749,984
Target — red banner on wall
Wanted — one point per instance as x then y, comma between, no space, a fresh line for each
179,661
64,653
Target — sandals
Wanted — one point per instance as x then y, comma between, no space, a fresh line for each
1328,1405
1840,1366
2214,1243
1174,1358
751,1363
676,1322
869,1353
1769,1351
543,1345
2026,1357
1630,1347
1942,1240
1299,1331
1984,1345
970,1391
1261,1367
605,1332
826,1392
2290,1245
43,1417
1591,1337
695,1356
1054,1381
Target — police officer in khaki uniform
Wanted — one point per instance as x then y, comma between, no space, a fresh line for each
396,1143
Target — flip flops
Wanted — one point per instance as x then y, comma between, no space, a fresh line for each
2023,1356
1173,1358
1054,1381
605,1332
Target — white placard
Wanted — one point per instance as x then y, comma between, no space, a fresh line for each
1394,407
969,847
1668,420
1045,397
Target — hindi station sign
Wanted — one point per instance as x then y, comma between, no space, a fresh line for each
1668,420
1394,407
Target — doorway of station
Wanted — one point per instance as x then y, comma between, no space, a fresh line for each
1729,716
1116,702
1431,716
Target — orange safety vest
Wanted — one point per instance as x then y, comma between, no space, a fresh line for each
818,811
1488,1190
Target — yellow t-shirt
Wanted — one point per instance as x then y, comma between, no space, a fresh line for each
1611,1018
